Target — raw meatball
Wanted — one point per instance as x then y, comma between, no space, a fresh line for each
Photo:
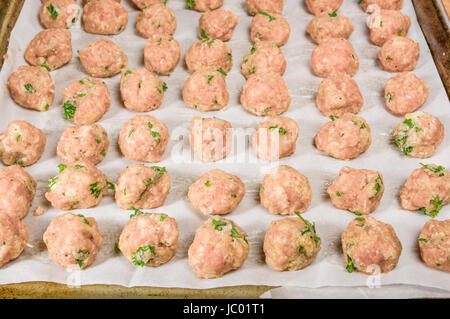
381,4
217,24
275,138
141,90
339,94
370,246
285,191
149,239
77,186
106,17
399,54
318,7
216,192
329,25
344,137
334,56
21,143
291,244
50,49
58,13
206,90
17,190
86,143
13,238
161,54
272,6
142,187
357,190
209,54
264,56
143,138
85,101
270,27
384,24
434,244
103,58
204,5
427,190
156,19
219,246
265,94
405,93
210,138
73,241
32,87
142,4
419,134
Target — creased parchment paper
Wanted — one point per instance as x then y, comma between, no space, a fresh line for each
329,267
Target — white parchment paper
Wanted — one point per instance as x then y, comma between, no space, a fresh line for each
329,267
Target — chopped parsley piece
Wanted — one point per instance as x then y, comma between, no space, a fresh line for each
233,195
208,184
438,169
361,219
271,18
158,89
230,57
128,72
98,141
338,194
190,4
234,232
399,32
203,34
156,135
84,219
51,9
350,266
356,213
378,183
18,137
210,77
131,132
82,255
62,167
333,15
424,240
437,207
159,172
46,67
334,118
136,213
78,166
111,186
47,106
95,190
389,96
29,88
218,224
69,110
309,228
149,124
81,82
221,71
388,58
51,182
103,153
301,250
253,50
164,86
162,217
138,256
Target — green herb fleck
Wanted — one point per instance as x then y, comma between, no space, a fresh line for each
438,169
203,34
210,77
190,4
271,18
51,9
46,67
95,190
424,240
29,88
218,224
350,266
111,186
82,255
333,15
138,256
69,110
84,219
62,167
221,71
208,184
388,58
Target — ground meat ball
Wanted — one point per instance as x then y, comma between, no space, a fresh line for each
58,13
85,101
143,138
275,138
334,56
327,26
419,134
142,4
32,87
270,27
384,24
265,94
405,93
161,54
17,190
272,6
285,191
206,90
370,246
339,94
149,239
318,7
73,241
427,190
209,54
13,238
21,143
141,90
434,244
381,4
77,186
291,244
357,190
106,17
156,19
142,187
399,54
204,5
217,24
86,143
210,138
103,58
344,137
219,246
264,56
216,192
